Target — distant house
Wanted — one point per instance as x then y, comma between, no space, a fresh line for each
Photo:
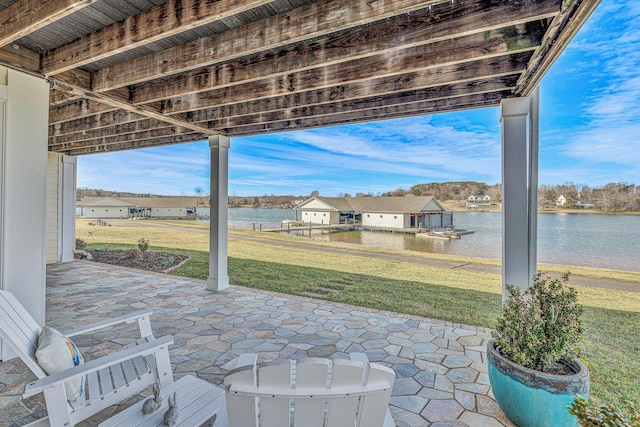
139,207
477,201
377,212
561,201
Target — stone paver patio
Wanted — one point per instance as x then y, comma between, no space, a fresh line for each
440,366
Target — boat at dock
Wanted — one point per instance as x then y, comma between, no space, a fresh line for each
444,234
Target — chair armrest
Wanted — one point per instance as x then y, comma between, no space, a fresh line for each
142,317
144,349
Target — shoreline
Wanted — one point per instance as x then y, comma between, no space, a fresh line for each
610,278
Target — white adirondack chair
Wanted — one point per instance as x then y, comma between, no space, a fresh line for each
309,393
108,380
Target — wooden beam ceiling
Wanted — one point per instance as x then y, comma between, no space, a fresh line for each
181,70
25,16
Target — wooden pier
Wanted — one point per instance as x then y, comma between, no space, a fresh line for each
310,227
297,226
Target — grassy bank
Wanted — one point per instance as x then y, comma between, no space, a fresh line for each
611,320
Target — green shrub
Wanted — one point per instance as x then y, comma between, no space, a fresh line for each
605,415
540,326
143,244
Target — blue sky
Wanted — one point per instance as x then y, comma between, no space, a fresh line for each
589,134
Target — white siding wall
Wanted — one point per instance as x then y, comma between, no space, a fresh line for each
169,212
53,184
105,212
387,220
320,217
23,190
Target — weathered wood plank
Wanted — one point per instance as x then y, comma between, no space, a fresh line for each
562,30
133,137
500,84
173,17
417,74
420,28
303,23
57,138
26,16
78,109
117,103
398,111
94,122
154,142
21,57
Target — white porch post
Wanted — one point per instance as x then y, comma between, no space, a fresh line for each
218,233
67,208
520,123
24,117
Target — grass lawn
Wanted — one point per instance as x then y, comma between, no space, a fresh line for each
611,321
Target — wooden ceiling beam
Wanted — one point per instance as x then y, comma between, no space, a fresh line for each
26,16
20,57
130,137
563,28
120,104
166,20
95,132
397,111
499,84
381,39
93,122
153,142
299,25
418,72
77,109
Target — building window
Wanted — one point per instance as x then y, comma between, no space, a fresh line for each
368,216
324,214
380,216
395,217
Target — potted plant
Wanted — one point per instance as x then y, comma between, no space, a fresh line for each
533,367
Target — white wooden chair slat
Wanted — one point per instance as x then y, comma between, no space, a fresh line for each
242,410
108,380
20,331
118,377
129,371
141,366
310,376
106,388
93,387
142,316
373,408
342,412
275,412
340,393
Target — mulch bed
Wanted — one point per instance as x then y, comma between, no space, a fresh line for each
133,258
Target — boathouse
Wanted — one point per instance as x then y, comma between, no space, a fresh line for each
377,212
138,207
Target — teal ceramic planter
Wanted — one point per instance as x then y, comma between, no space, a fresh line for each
535,399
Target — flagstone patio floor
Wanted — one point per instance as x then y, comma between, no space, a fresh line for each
441,371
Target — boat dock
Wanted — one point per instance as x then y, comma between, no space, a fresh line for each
435,233
298,226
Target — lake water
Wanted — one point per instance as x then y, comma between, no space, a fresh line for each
604,241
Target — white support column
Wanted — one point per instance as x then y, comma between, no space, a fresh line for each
519,190
67,208
218,232
24,117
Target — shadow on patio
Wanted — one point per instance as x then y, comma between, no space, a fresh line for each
441,372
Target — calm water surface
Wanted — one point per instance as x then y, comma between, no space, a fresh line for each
605,241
